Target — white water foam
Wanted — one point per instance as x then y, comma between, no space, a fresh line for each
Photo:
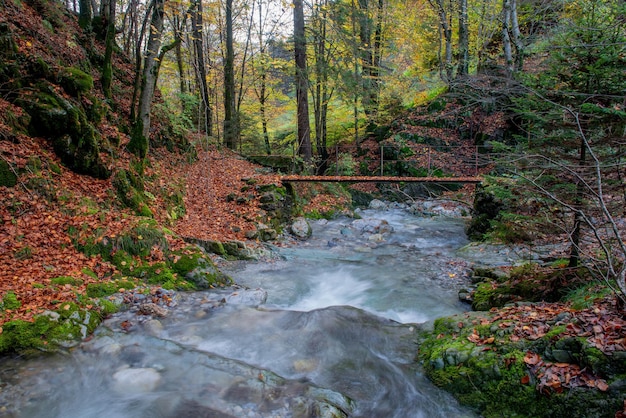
335,288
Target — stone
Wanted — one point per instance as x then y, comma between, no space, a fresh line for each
562,356
301,228
376,238
136,380
247,297
153,327
377,205
152,309
372,226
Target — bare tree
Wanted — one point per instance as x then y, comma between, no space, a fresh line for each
141,130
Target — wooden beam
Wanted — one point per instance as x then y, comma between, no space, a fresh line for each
379,179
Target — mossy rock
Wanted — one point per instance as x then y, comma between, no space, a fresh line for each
7,176
82,154
9,301
75,140
129,188
491,295
8,46
198,269
49,331
75,82
492,377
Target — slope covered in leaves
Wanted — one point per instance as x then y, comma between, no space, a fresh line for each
49,202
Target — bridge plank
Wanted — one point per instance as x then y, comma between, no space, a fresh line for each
379,179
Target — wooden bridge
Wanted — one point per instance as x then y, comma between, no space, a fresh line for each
425,161
380,179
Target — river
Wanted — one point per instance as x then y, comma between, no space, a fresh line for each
323,326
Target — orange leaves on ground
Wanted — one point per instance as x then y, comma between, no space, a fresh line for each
555,377
211,214
475,338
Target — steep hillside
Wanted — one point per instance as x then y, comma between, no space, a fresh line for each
81,217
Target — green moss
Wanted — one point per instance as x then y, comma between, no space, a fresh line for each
138,144
188,262
75,82
66,326
130,190
494,379
107,307
489,295
584,296
9,302
63,280
101,289
89,272
55,168
8,178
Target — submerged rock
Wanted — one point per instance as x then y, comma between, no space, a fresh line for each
248,297
136,380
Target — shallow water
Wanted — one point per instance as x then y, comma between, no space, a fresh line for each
337,333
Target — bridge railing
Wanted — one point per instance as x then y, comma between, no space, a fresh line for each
411,160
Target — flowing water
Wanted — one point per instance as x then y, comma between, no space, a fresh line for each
336,334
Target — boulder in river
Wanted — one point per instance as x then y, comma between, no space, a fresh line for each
301,228
377,205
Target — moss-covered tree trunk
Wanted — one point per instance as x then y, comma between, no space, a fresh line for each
107,67
84,16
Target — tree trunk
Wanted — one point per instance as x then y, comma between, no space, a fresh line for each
463,40
516,38
302,81
376,60
141,129
138,78
321,84
230,122
206,119
446,70
574,254
262,90
355,70
107,67
84,16
506,39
